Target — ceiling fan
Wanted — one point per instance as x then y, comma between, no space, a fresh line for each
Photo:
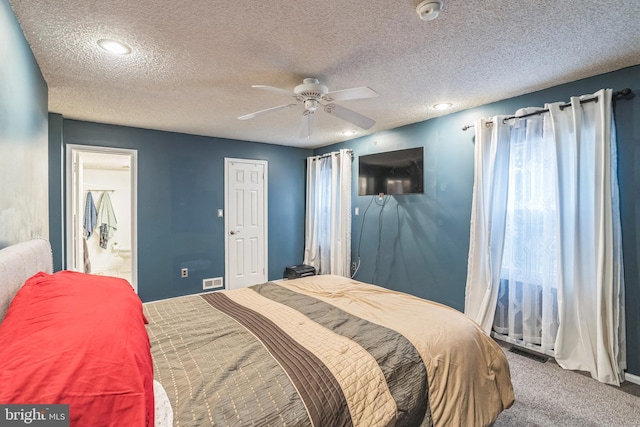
313,95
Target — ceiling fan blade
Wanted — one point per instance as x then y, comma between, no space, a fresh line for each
348,94
268,110
274,89
350,116
306,126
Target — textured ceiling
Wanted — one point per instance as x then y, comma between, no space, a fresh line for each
193,62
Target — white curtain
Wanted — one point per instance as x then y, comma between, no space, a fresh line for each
488,216
591,286
559,284
328,214
527,309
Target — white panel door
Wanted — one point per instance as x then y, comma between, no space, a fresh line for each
246,222
78,212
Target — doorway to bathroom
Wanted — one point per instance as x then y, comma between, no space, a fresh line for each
101,211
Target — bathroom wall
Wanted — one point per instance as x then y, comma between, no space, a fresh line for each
106,261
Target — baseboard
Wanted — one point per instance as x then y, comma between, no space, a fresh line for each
632,378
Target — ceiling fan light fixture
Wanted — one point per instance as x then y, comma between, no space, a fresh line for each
428,10
311,105
115,47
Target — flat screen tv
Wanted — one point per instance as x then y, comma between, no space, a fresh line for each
391,172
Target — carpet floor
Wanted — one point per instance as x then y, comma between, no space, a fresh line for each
547,395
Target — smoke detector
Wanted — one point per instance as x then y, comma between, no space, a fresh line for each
429,10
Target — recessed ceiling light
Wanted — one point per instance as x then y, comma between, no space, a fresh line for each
442,106
349,132
114,46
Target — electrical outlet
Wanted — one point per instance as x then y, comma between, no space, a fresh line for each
353,265
184,272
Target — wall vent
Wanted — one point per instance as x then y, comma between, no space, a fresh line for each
213,283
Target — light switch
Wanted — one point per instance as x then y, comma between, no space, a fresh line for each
357,212
220,213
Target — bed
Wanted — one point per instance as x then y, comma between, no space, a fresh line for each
73,339
316,351
324,351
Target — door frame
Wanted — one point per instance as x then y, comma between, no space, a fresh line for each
69,221
265,185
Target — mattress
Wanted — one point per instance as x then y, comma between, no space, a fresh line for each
324,350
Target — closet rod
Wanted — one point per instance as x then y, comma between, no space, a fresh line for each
624,93
110,191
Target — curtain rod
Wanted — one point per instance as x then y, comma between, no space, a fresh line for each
349,150
110,191
616,95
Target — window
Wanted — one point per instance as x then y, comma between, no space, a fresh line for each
527,301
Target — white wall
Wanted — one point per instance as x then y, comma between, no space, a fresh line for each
104,260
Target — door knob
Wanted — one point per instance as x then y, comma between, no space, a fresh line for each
232,232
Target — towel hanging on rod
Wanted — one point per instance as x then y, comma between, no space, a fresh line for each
106,219
90,216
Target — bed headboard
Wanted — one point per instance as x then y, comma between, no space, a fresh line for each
18,263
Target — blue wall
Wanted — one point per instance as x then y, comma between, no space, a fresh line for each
419,243
56,193
180,189
24,213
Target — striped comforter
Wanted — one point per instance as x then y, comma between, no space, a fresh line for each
319,351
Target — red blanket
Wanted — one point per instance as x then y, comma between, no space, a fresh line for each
78,339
